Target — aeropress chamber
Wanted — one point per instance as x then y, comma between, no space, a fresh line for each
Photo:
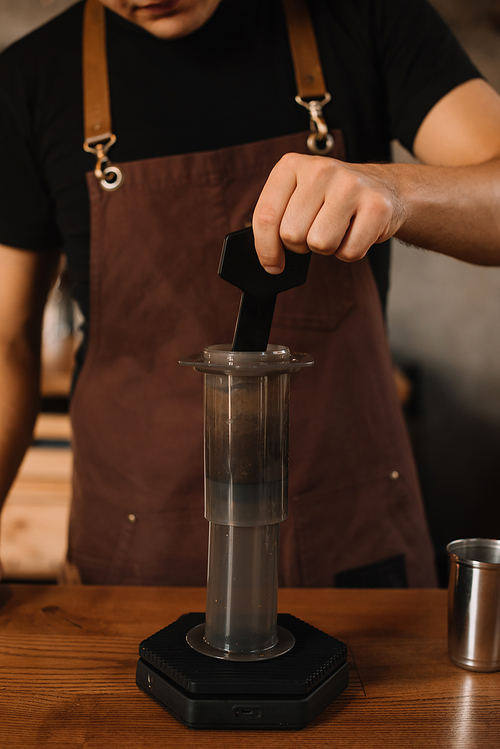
243,665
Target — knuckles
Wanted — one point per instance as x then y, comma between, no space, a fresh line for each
351,254
265,215
307,167
291,236
321,243
378,205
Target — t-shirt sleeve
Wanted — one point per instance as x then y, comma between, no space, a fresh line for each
26,211
422,62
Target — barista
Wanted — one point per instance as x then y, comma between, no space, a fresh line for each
209,135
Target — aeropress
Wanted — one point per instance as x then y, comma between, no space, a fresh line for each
243,665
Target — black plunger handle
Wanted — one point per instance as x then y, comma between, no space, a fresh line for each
241,267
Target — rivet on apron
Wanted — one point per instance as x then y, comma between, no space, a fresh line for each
394,475
131,518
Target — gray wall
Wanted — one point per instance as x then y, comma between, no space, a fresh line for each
18,17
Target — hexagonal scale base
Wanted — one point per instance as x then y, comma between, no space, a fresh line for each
286,692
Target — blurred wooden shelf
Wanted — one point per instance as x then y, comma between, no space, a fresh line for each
34,520
52,427
57,367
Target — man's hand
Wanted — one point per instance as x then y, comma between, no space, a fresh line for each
449,204
324,205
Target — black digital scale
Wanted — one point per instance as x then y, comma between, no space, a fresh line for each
241,665
286,692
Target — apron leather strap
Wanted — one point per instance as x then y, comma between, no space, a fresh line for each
99,137
308,73
305,55
97,115
96,107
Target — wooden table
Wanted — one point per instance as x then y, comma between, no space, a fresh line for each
68,656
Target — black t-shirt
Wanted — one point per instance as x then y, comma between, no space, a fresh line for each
386,63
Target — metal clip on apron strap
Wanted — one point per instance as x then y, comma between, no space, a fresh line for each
96,108
308,73
97,114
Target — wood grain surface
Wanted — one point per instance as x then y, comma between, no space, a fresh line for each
34,521
68,656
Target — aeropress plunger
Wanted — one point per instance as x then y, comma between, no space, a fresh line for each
243,683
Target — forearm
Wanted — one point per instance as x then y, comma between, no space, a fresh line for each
25,279
451,210
19,404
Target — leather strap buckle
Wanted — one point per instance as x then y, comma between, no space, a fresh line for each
97,113
320,141
311,87
110,177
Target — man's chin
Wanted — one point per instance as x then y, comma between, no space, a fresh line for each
170,27
166,19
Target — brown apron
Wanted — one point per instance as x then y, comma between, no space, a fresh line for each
137,512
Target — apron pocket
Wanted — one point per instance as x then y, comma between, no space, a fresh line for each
389,573
351,527
323,302
157,548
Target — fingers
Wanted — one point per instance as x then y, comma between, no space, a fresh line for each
319,204
370,223
268,217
